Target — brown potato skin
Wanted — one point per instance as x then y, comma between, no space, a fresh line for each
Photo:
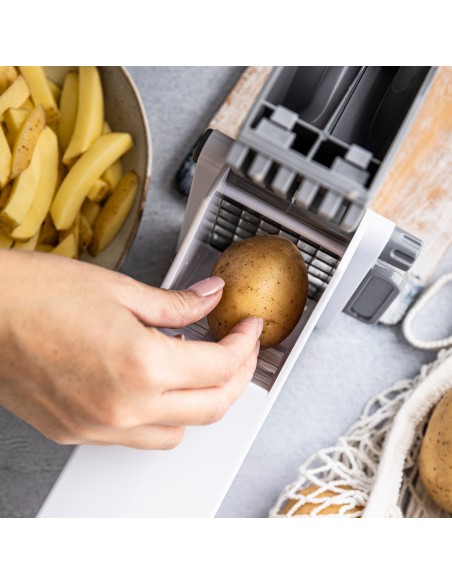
435,456
307,508
264,276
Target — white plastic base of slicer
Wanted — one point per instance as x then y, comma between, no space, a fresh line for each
193,479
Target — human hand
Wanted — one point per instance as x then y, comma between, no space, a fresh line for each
82,363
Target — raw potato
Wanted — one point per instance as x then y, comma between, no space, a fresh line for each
114,213
90,210
14,117
4,195
67,247
435,457
113,174
55,89
7,76
98,191
5,159
14,96
44,247
45,204
5,241
39,208
86,233
26,140
41,92
74,230
90,114
22,194
68,109
310,508
29,245
84,173
48,234
264,276
27,105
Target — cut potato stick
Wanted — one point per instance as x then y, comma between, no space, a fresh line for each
55,89
84,173
28,105
22,194
98,191
86,233
106,129
62,172
60,163
26,140
90,114
5,241
68,109
41,92
30,244
5,159
54,127
7,76
14,117
44,247
48,145
67,247
113,174
14,96
114,213
74,229
48,233
4,194
90,211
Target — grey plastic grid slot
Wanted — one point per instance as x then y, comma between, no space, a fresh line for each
268,363
314,93
378,107
317,136
227,221
306,194
234,222
282,181
402,249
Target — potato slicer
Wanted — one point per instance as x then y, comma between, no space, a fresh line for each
310,157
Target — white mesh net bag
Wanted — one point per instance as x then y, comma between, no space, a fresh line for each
372,470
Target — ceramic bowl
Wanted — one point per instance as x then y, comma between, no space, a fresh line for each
124,111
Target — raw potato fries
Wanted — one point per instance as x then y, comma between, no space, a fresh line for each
62,185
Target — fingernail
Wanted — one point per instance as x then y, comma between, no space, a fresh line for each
258,347
208,286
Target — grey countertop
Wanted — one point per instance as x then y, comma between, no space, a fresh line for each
337,373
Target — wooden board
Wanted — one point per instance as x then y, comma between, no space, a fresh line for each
233,111
417,191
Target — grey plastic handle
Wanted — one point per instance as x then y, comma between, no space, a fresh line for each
386,279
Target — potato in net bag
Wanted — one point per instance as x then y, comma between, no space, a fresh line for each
372,471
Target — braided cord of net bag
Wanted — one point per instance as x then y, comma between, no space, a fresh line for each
337,481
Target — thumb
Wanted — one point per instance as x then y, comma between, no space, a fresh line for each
173,308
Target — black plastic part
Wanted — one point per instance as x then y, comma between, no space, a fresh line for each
200,145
